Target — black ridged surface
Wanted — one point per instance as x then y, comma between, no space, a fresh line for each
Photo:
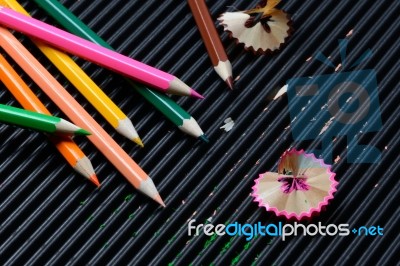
51,215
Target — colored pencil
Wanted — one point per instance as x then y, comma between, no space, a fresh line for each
211,39
36,121
163,103
95,53
101,102
28,100
103,142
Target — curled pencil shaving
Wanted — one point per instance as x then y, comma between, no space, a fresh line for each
300,188
263,29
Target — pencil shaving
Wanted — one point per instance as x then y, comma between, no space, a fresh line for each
300,188
229,123
281,91
262,30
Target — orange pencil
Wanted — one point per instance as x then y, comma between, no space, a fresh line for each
75,112
28,100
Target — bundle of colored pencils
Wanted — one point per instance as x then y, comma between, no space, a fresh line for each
86,44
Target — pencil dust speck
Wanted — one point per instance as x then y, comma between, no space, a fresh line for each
90,218
349,33
192,216
178,255
235,260
326,126
172,239
281,91
227,246
210,241
128,197
229,123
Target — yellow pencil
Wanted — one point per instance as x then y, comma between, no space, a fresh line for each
103,104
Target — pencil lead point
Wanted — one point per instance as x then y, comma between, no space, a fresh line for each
94,180
81,131
158,199
229,81
195,94
204,138
138,141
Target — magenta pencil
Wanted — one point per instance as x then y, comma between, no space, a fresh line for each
95,53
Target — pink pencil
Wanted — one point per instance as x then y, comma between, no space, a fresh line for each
95,53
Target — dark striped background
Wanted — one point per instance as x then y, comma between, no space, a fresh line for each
50,215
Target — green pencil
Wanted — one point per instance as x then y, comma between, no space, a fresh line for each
37,121
163,103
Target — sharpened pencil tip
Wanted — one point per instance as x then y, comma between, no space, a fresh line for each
159,200
138,141
81,131
94,180
229,81
204,138
195,94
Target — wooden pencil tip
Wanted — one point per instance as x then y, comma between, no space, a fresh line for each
195,94
229,81
158,199
138,141
204,138
94,180
83,132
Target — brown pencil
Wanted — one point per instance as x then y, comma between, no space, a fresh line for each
211,39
